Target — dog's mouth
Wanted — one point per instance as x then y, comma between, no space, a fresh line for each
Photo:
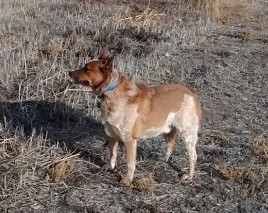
76,80
83,82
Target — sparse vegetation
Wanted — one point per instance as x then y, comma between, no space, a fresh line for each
225,11
238,174
52,146
146,184
260,147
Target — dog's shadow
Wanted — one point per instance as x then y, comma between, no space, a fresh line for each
58,122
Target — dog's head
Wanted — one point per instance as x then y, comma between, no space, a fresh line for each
95,71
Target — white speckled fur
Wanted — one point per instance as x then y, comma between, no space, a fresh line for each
119,124
187,123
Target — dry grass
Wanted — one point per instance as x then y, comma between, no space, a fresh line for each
230,11
61,170
225,11
25,162
145,185
260,147
240,174
147,17
256,173
44,119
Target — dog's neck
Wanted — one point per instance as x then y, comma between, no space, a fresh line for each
109,84
114,82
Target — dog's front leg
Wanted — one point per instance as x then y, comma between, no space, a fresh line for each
131,149
112,144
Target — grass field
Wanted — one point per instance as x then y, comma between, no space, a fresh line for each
53,151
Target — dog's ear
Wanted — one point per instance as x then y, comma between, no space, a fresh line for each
105,53
107,60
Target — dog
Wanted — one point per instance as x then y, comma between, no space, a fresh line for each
131,111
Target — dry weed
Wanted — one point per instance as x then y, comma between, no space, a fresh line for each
52,49
230,10
147,17
217,135
146,184
260,147
223,10
240,174
61,170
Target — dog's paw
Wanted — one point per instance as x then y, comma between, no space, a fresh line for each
166,158
187,177
112,164
126,181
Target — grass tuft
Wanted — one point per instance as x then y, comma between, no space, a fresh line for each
61,170
225,11
240,174
260,147
147,17
146,184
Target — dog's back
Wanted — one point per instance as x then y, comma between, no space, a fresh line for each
165,106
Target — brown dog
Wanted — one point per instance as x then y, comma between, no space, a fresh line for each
131,111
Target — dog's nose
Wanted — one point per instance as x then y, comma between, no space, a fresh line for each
70,73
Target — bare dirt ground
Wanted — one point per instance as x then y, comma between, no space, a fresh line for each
52,147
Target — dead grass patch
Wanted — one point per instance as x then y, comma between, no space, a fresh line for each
231,10
61,170
260,147
252,180
145,184
146,17
3,35
26,163
239,174
255,175
52,49
217,136
224,11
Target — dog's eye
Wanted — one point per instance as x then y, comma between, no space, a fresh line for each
85,83
86,69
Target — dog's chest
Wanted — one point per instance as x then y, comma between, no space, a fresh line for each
118,120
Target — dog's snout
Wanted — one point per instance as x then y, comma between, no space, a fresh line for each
73,75
70,74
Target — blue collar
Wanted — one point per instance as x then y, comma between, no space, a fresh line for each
111,87
115,80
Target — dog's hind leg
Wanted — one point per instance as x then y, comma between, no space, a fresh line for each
171,142
187,122
190,139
